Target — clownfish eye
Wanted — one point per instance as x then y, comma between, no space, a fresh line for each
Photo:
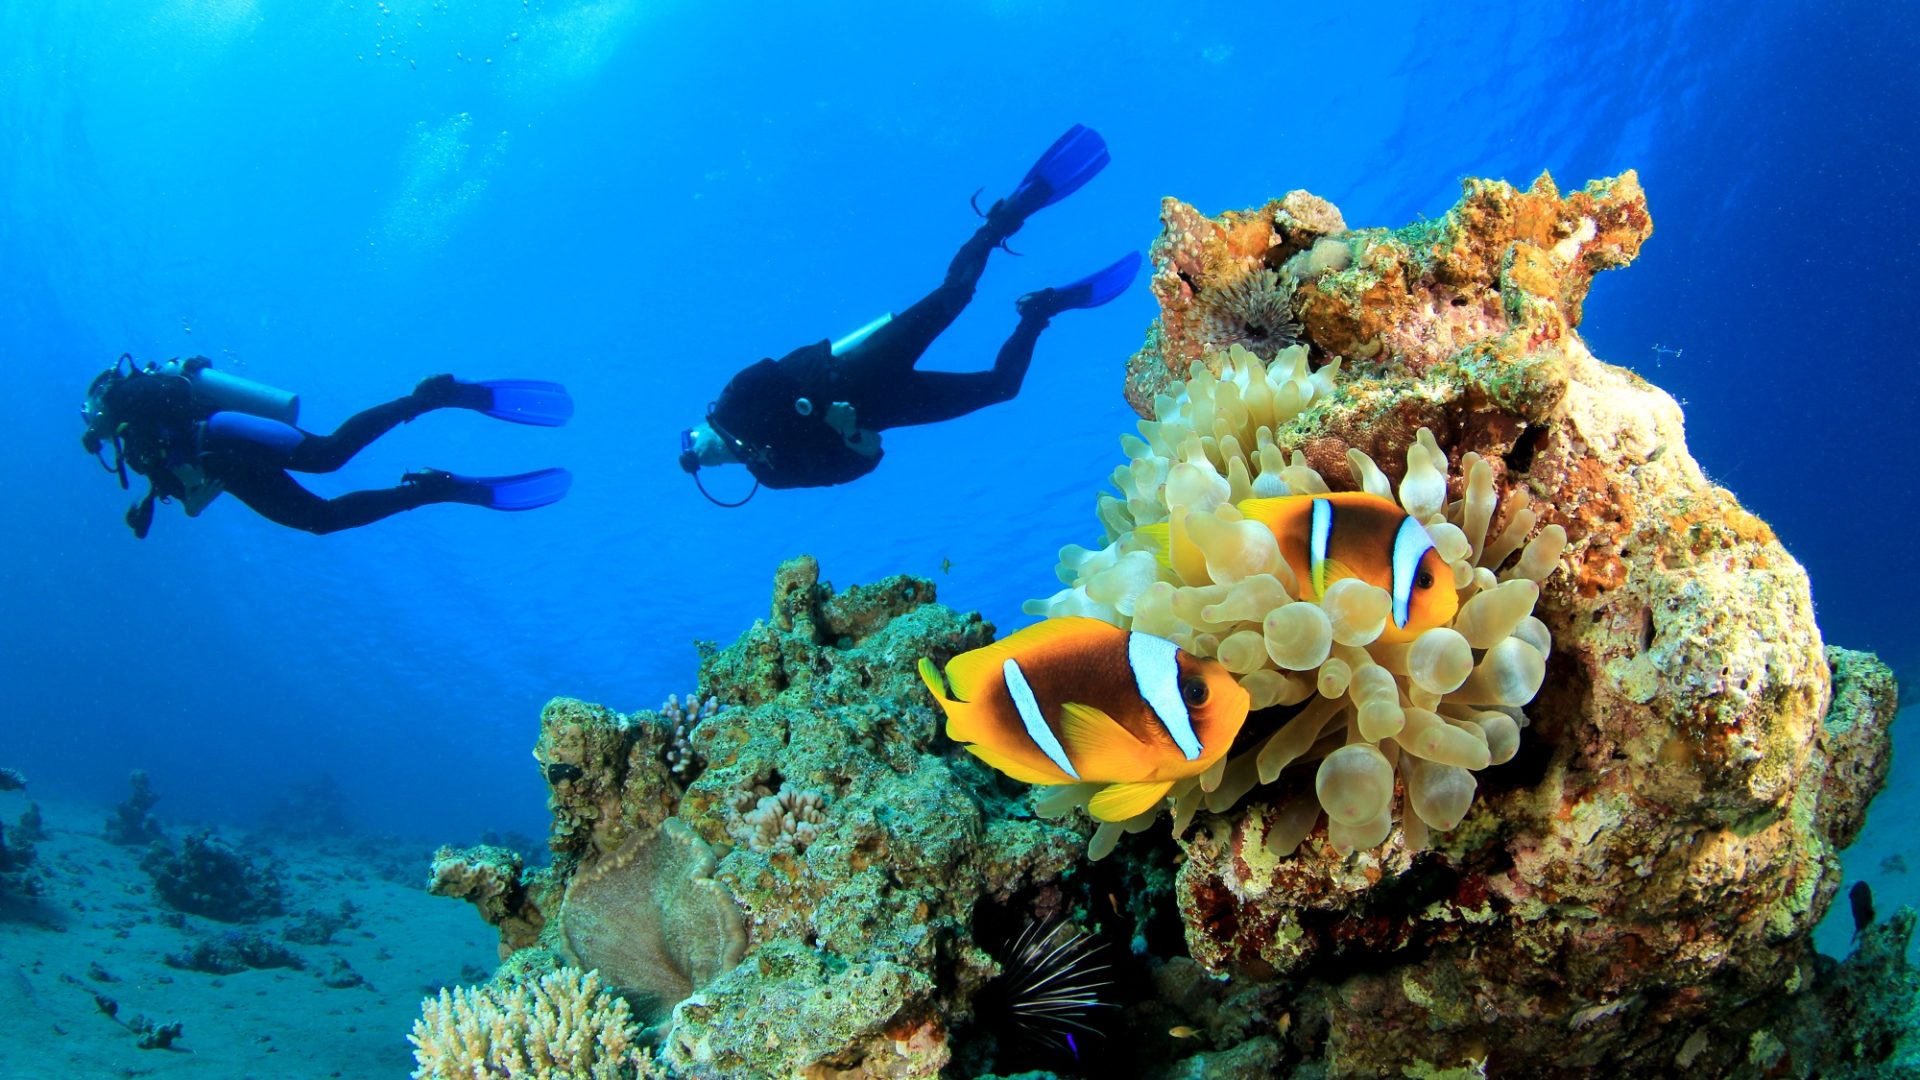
1424,581
1194,692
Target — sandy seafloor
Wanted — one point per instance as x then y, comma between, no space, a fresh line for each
100,917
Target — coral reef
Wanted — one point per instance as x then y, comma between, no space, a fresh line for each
1661,837
16,854
208,877
823,825
132,825
1581,821
318,927
561,1026
235,951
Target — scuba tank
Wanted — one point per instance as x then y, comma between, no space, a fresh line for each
219,390
861,334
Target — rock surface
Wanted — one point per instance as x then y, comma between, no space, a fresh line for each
1662,846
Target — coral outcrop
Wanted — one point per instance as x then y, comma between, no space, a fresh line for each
16,853
1616,775
132,823
806,901
1663,839
206,876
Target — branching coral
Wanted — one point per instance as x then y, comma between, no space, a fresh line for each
1368,705
563,1027
683,761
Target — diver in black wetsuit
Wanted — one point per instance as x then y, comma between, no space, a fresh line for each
812,418
194,432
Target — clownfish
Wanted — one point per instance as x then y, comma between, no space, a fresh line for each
1077,701
1325,538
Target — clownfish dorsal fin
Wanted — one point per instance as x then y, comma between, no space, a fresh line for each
971,672
1099,746
1266,511
1123,802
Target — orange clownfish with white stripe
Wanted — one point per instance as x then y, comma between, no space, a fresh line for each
1344,534
1079,701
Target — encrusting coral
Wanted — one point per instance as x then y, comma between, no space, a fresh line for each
823,823
561,1026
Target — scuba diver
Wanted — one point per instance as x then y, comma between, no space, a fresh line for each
194,432
813,417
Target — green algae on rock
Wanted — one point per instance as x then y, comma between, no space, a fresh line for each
862,931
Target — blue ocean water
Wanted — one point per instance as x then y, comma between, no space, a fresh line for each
637,199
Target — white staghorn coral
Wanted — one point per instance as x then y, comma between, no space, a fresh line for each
1417,717
682,759
562,1027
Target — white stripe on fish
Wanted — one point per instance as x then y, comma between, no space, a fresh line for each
1156,675
1037,727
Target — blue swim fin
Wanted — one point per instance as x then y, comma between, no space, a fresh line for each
1099,287
526,491
1072,160
523,401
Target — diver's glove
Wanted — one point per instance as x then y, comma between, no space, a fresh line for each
842,418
